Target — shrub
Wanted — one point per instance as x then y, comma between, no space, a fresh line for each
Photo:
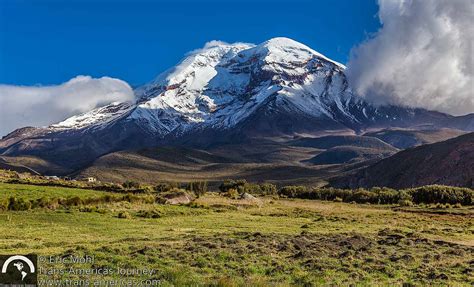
252,188
18,204
148,199
198,205
377,195
41,202
51,203
74,201
165,186
442,194
242,186
131,198
129,184
112,187
405,202
4,204
238,185
268,189
198,187
232,193
88,209
124,214
261,189
149,214
294,191
141,189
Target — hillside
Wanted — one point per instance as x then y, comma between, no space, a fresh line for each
348,154
274,160
327,142
256,162
405,138
450,162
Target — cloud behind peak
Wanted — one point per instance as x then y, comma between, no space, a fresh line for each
43,105
421,57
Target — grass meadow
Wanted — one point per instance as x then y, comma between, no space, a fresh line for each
218,241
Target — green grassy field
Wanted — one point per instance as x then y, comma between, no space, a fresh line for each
29,192
218,241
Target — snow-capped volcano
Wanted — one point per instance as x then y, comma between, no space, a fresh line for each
279,87
222,84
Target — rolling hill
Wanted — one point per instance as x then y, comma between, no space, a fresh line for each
405,138
277,161
449,162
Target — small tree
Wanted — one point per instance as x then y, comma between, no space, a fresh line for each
268,189
240,185
165,186
198,187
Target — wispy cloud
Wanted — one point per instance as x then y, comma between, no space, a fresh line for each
39,106
422,56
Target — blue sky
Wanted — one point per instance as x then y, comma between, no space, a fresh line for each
50,42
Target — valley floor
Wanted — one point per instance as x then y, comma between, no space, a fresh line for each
217,241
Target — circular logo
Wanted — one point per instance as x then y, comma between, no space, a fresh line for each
18,261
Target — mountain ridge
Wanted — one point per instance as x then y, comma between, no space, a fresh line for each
449,162
220,94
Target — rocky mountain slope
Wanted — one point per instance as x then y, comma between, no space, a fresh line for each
450,162
223,93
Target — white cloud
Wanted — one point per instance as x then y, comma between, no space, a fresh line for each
216,43
40,106
421,57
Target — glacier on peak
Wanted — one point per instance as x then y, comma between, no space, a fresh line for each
221,85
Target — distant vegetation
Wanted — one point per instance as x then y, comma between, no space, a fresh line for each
376,195
242,186
421,195
432,194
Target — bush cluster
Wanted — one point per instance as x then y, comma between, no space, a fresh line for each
166,186
442,194
149,214
198,187
295,191
93,209
241,186
377,195
17,204
130,184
